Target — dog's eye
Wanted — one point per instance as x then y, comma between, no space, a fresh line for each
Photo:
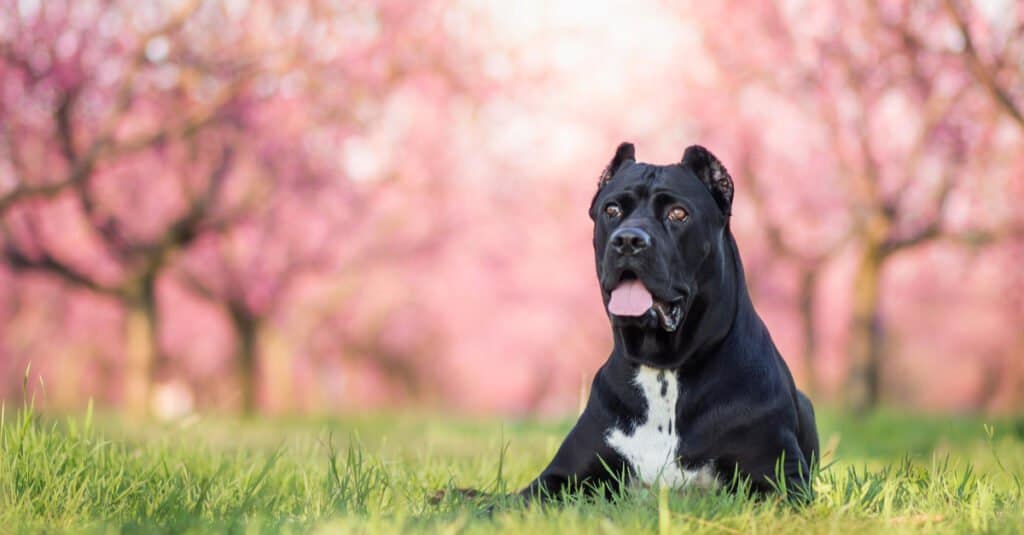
613,211
676,213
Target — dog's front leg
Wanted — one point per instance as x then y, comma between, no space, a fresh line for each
789,465
584,462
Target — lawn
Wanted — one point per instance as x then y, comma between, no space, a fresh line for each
376,474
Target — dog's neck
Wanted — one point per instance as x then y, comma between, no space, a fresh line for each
725,302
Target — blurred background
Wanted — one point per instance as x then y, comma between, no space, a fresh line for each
312,206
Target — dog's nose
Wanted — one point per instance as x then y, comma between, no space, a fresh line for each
630,240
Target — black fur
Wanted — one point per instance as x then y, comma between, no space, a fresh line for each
738,408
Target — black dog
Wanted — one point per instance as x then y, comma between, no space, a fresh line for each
694,392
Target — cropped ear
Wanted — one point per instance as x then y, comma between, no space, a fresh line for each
625,153
712,173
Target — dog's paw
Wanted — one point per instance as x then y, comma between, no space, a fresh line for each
465,494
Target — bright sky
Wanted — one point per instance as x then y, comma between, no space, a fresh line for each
604,69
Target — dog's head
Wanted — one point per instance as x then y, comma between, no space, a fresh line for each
661,234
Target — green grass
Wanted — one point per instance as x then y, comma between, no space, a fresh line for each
376,474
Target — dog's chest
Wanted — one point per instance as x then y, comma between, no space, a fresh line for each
651,447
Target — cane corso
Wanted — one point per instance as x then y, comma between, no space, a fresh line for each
695,392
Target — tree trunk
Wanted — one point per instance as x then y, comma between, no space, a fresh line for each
247,358
866,335
139,348
141,325
276,368
808,285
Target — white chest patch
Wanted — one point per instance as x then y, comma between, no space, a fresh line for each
651,448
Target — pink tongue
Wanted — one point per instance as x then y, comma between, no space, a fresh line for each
630,298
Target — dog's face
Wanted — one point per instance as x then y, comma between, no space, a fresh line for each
659,240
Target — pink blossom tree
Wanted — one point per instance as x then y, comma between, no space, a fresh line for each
128,118
889,116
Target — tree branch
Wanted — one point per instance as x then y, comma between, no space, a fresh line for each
935,111
933,228
82,164
980,70
196,285
969,237
45,262
771,228
985,237
185,229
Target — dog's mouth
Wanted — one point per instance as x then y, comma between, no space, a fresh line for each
631,299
